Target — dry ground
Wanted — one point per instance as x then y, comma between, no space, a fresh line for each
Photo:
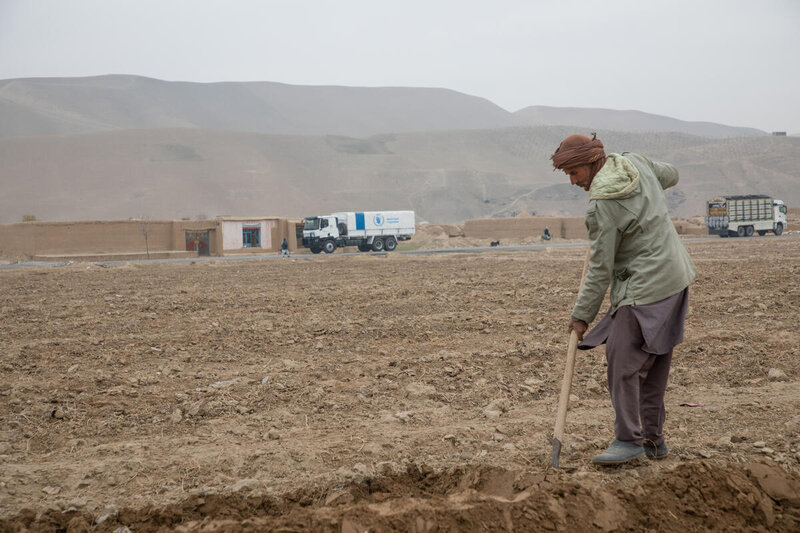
410,393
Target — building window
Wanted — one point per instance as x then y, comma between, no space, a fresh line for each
251,237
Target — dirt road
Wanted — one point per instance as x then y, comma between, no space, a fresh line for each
398,392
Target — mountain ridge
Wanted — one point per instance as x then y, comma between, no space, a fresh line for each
627,120
56,106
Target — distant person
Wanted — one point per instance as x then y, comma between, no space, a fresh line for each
633,247
546,234
284,248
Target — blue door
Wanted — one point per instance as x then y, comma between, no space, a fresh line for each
251,237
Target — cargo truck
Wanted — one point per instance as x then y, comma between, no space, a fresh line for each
741,216
369,230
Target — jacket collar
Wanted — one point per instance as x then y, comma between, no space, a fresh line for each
618,178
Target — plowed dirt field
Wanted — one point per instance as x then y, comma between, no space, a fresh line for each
384,393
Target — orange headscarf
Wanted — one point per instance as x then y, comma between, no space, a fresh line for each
577,150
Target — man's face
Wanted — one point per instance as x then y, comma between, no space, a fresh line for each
579,176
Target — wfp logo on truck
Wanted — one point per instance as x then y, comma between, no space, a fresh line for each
378,219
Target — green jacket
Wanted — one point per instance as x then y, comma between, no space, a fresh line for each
634,245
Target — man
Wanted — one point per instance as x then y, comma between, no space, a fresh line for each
284,248
633,247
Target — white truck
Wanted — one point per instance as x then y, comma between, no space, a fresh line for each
741,216
368,230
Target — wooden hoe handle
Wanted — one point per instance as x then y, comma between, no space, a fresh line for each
566,386
566,383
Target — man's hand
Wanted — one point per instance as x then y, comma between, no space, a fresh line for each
579,326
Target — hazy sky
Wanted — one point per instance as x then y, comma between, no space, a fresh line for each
735,62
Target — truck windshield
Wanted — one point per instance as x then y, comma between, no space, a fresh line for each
311,223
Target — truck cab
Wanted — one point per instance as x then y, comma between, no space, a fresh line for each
318,230
780,216
321,227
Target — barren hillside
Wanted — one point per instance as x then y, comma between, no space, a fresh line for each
119,146
445,176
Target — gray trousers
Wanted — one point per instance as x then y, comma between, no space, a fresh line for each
637,381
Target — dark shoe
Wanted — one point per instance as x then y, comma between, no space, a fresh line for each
655,452
619,452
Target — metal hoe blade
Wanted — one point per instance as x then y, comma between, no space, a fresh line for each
556,452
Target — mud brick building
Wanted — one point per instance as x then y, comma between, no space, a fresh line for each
142,239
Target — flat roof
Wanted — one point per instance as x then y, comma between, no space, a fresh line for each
747,197
237,219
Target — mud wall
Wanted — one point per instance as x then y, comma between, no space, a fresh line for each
17,240
522,227
28,239
43,238
285,227
686,227
560,227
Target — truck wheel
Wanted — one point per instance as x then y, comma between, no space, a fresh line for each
741,232
377,245
390,244
749,231
315,250
329,246
762,232
778,229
